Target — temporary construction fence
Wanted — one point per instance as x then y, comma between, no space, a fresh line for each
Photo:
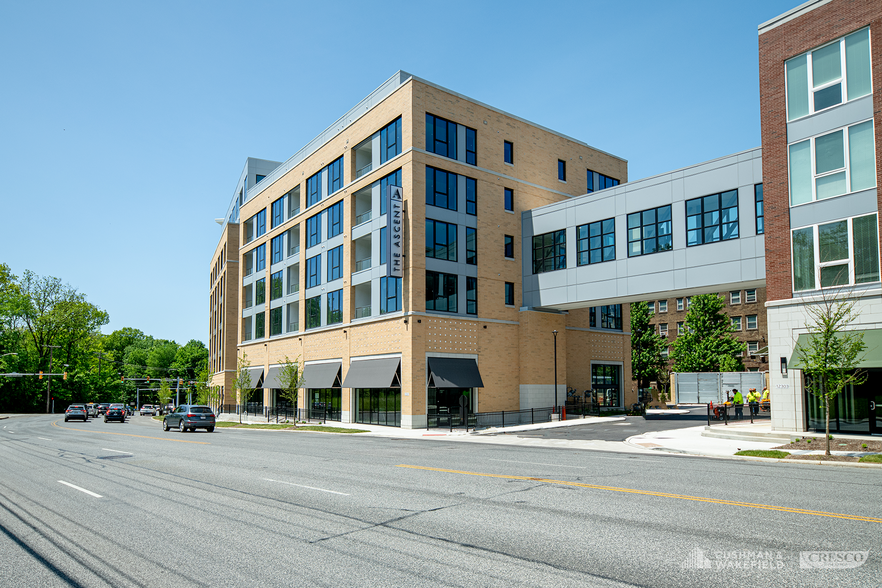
705,387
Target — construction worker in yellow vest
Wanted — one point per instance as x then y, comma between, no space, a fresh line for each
738,401
764,399
753,400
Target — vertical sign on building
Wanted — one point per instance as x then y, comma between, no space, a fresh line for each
394,232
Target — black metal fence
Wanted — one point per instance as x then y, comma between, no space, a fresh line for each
752,412
511,418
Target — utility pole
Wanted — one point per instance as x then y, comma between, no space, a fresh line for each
100,357
49,383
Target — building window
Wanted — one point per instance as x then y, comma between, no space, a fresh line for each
440,188
736,323
278,248
752,347
471,295
335,175
508,152
313,312
440,240
260,291
258,178
246,329
650,306
712,218
841,253
509,294
335,307
313,230
735,297
440,136
509,246
508,199
680,328
471,246
278,212
596,242
758,199
603,182
260,258
471,196
606,317
663,306
277,287
293,198
550,251
679,304
833,164
248,258
313,271
335,263
663,329
293,240
440,291
255,226
247,296
561,170
259,325
313,189
750,295
390,140
471,146
335,219
390,295
688,301
649,231
276,321
751,322
293,319
293,279
830,84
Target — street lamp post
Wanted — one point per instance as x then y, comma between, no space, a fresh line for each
554,332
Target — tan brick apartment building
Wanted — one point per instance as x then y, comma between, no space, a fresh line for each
820,77
310,239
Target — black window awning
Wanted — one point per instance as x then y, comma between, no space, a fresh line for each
322,375
373,373
272,377
454,372
255,375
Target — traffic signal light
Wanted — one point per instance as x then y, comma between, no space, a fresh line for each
65,375
41,374
148,379
180,381
122,378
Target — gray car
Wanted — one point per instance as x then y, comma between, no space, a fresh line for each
76,411
189,417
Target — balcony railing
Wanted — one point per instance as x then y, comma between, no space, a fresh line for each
293,250
293,288
363,218
293,327
363,170
362,264
362,311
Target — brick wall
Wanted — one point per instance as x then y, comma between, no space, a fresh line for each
776,45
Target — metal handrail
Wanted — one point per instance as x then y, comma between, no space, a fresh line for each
362,264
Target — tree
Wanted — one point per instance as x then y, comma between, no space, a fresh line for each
647,361
831,356
708,343
242,383
205,392
291,380
165,393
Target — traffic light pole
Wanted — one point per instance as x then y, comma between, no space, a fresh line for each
49,383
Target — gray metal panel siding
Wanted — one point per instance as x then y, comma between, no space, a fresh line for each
841,116
831,209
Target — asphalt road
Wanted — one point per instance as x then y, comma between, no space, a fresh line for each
109,504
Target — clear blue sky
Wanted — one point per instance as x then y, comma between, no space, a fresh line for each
125,126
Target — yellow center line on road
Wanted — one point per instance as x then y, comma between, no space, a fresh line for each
55,424
817,513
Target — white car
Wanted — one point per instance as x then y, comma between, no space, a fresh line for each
148,410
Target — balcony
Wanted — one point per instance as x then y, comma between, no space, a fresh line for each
363,205
362,300
363,218
362,311
362,264
364,157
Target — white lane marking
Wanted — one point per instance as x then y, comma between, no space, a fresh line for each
115,451
44,438
80,489
307,487
553,465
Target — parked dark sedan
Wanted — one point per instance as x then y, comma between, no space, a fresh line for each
76,411
189,417
115,412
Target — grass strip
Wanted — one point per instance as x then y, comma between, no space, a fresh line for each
764,453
